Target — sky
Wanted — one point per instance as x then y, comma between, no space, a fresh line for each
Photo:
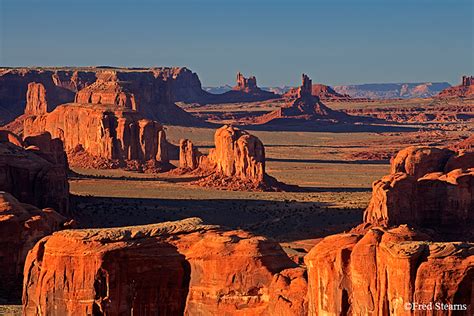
334,42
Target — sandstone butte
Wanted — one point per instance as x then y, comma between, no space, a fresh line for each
172,268
237,161
104,136
323,92
154,89
34,170
21,226
465,89
379,267
306,107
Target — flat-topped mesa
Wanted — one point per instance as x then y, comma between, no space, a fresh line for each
465,89
237,161
34,171
379,271
172,268
21,226
428,187
151,91
245,84
99,136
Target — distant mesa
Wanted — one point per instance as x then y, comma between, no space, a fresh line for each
306,107
245,90
237,162
392,90
465,89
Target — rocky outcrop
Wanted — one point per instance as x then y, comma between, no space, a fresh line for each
21,226
113,134
427,187
306,107
156,89
170,268
380,271
34,171
51,87
237,161
465,89
245,84
148,92
188,155
36,99
418,161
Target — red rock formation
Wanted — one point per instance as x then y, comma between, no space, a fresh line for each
237,161
169,268
102,132
188,155
245,84
379,272
465,89
36,101
58,87
245,90
418,161
147,92
21,226
36,175
306,107
427,187
323,92
156,89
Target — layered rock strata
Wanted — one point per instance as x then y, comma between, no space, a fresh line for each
172,268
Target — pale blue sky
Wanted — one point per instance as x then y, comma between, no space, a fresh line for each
335,42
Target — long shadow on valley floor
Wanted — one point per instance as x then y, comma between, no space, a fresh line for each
281,220
352,162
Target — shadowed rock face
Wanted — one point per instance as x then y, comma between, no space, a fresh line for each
21,226
109,133
378,272
170,268
34,171
428,187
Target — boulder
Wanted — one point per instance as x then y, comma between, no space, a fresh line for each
378,272
36,174
21,226
171,268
